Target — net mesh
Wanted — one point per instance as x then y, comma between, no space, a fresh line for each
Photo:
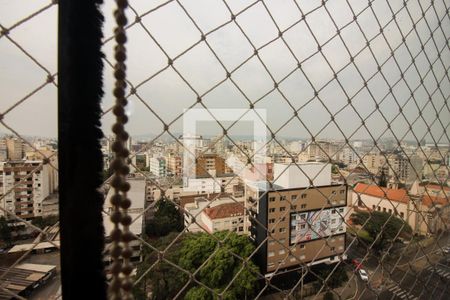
362,85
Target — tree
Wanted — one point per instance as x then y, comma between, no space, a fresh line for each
382,227
5,231
164,280
167,219
222,268
337,278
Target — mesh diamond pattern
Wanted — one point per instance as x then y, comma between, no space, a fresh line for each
327,73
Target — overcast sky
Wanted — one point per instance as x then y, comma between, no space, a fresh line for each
168,95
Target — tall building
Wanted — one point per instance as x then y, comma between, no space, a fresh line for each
15,148
158,166
27,195
3,150
296,225
397,167
372,161
174,164
210,163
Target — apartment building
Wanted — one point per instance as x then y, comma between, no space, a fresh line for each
158,166
174,165
3,150
226,184
297,225
15,148
372,162
28,189
210,163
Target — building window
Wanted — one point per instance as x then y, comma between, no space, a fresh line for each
303,206
283,198
294,197
303,196
271,221
379,208
332,248
270,254
282,208
333,221
333,211
271,242
302,226
282,230
302,257
292,259
241,229
272,199
271,210
342,191
402,215
302,246
374,207
293,207
341,210
270,265
390,211
281,252
282,241
384,209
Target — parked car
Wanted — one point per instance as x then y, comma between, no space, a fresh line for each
363,275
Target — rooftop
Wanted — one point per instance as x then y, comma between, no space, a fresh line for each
398,195
431,201
225,211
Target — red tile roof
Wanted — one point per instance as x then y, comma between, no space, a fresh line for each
225,210
399,195
429,200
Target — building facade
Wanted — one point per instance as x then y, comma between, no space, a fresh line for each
158,166
297,226
299,219
23,187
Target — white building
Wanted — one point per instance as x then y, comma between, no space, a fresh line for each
299,175
23,187
223,213
158,166
212,184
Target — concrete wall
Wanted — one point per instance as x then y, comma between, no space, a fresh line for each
298,175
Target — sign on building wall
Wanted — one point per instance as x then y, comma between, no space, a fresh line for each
312,225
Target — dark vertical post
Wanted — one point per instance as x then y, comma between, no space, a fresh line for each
80,160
